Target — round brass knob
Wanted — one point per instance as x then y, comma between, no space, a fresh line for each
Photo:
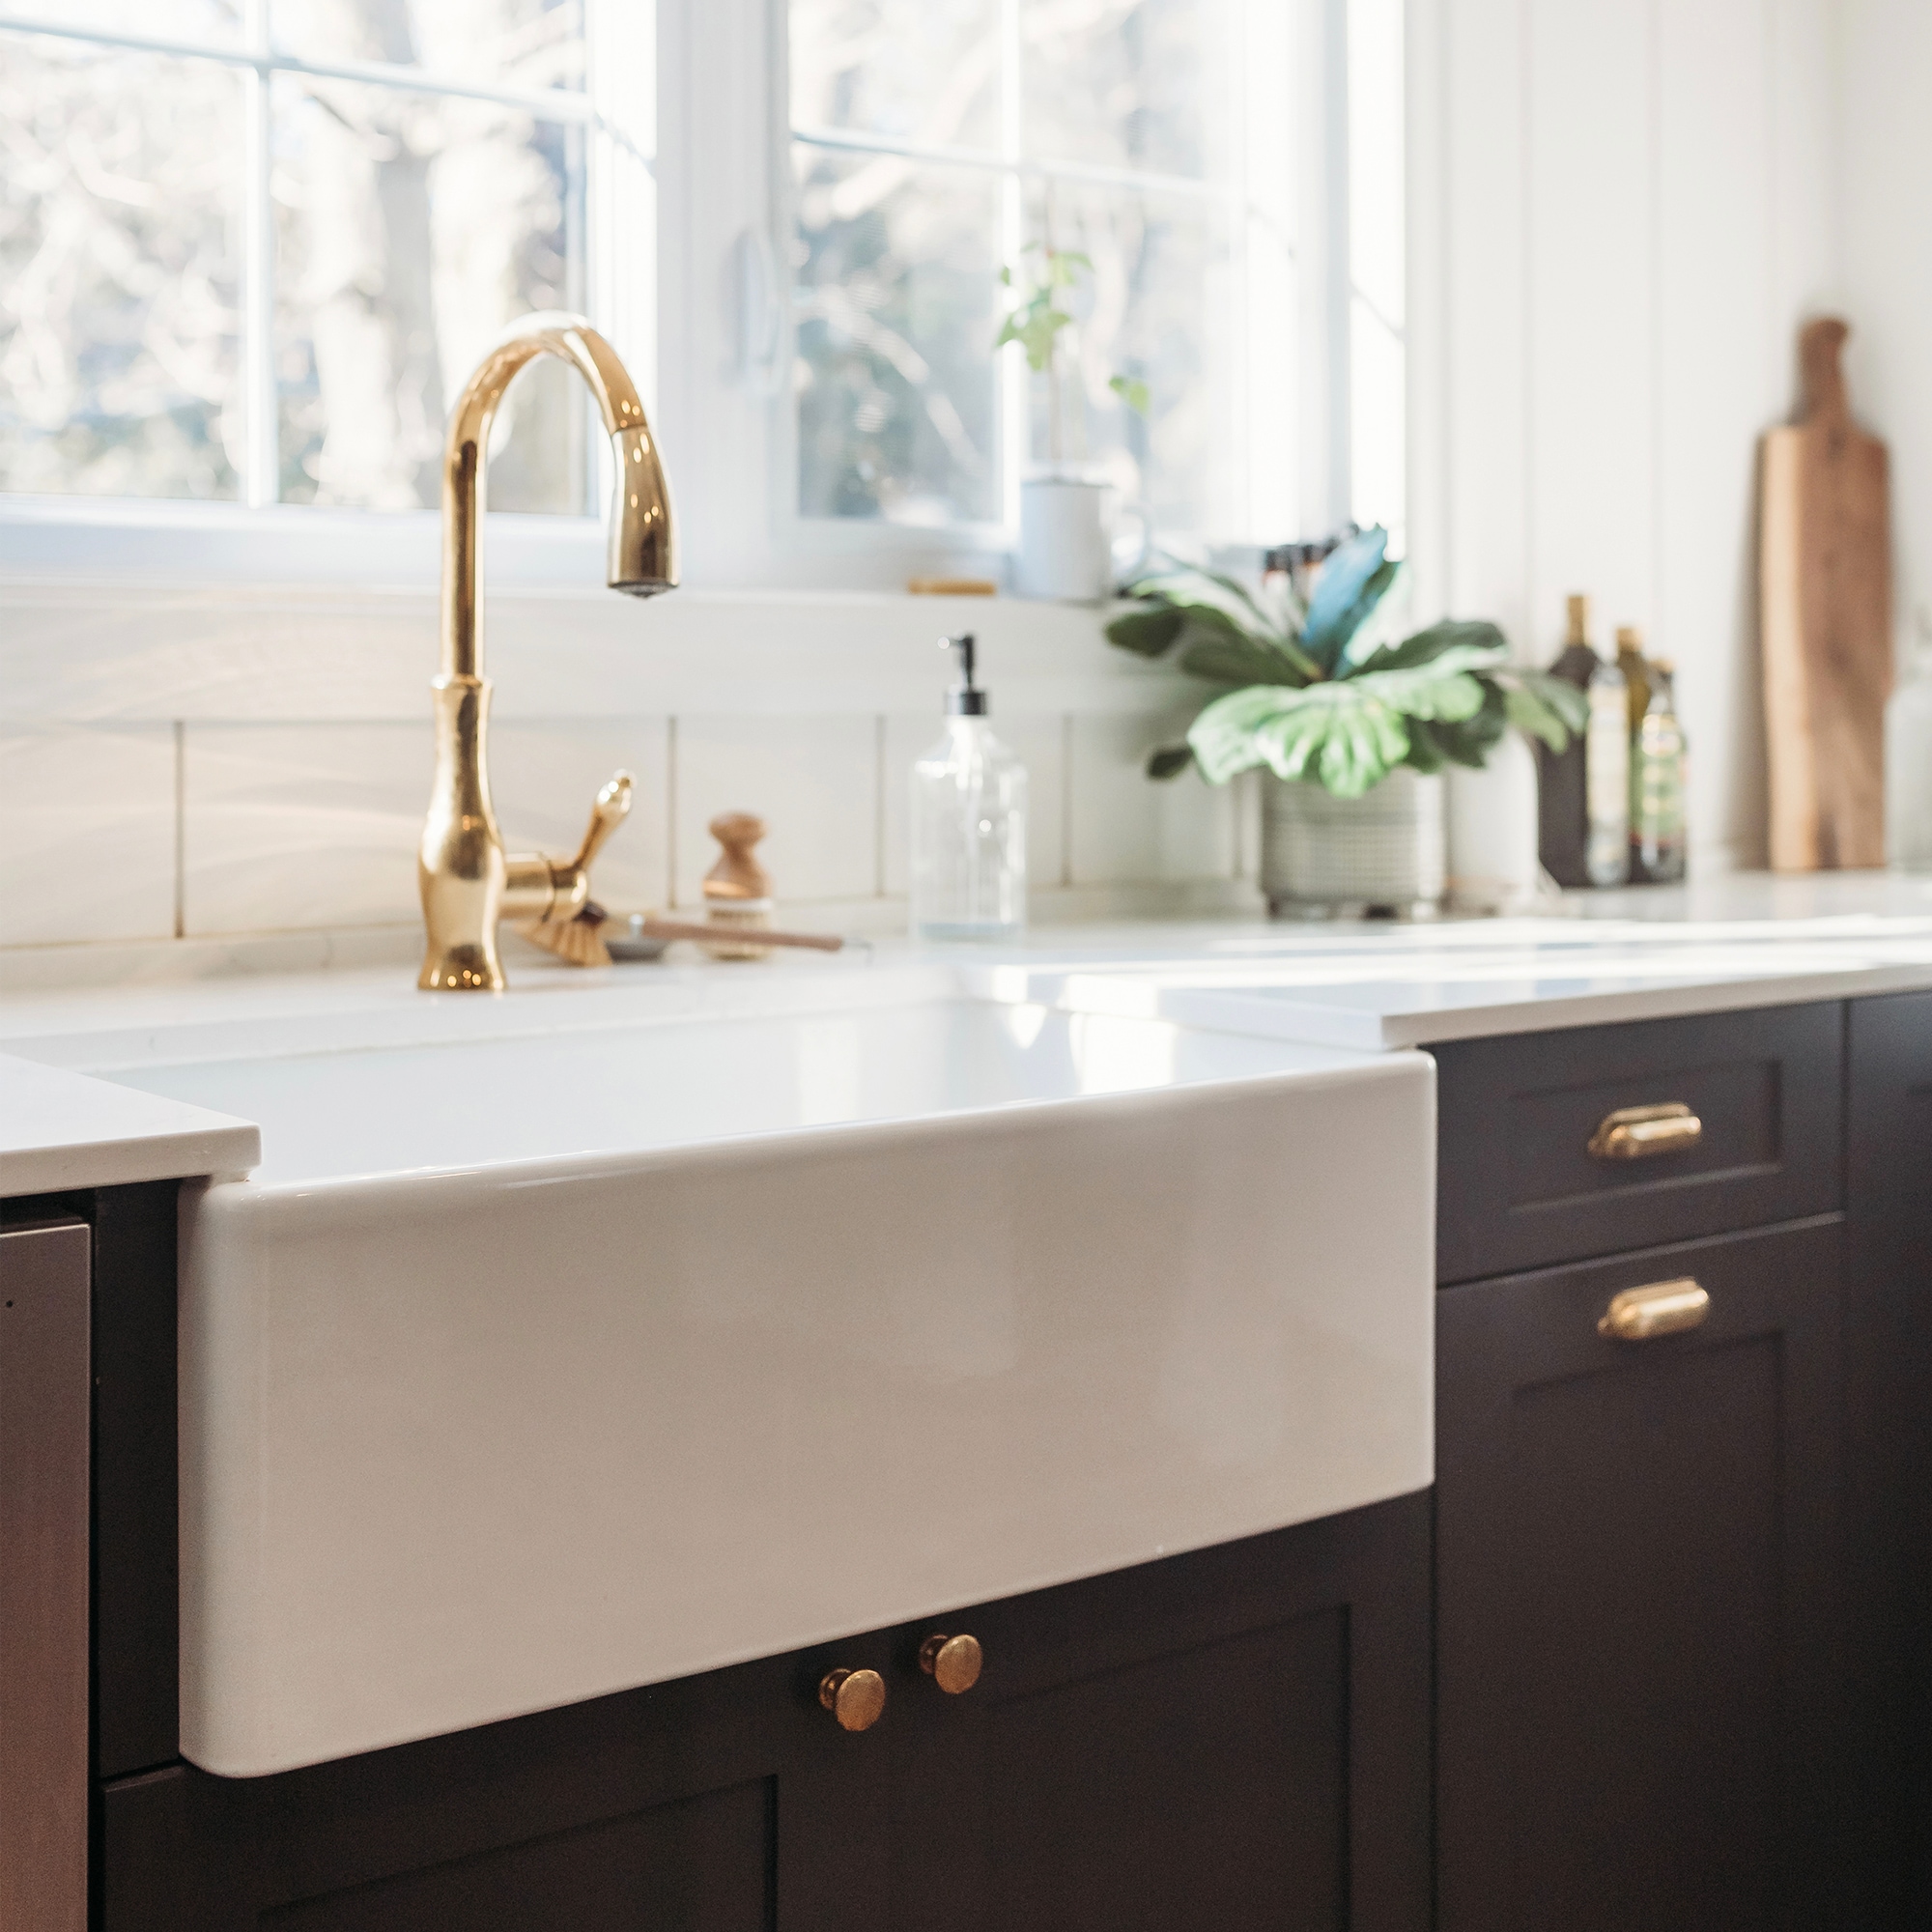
857,1699
952,1662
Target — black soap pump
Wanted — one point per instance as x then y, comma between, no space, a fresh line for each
969,800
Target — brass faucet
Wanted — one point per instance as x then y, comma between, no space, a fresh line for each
467,881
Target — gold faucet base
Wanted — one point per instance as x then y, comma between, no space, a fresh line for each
463,969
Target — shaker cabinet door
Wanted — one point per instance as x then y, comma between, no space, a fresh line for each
1233,1741
1638,1657
729,1802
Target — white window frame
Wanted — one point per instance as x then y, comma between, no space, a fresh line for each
702,98
255,539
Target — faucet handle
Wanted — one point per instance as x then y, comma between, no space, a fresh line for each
612,807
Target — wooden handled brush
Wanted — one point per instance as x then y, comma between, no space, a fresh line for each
579,941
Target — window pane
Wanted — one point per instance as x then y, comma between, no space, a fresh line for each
409,230
1127,83
121,187
1158,308
525,43
897,269
914,69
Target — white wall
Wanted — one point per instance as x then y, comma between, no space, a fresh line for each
1621,212
1887,248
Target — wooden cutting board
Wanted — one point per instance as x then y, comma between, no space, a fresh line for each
1825,603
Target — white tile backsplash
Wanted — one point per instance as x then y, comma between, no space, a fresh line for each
1123,827
86,834
300,825
1039,741
294,826
814,780
232,766
239,829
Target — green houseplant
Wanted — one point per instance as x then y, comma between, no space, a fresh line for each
1328,703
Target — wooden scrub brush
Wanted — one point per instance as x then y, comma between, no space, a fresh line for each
576,938
579,941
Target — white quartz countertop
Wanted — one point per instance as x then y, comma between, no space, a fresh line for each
60,1129
1737,942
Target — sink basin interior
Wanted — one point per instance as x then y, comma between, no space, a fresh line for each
682,1082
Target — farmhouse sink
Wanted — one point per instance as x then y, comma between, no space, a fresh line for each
537,1362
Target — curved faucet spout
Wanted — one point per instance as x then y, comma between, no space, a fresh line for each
468,883
643,549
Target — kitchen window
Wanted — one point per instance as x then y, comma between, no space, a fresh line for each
248,247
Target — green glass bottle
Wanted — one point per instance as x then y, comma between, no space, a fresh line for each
1657,773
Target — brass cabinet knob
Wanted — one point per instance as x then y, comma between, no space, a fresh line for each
857,1699
1663,1308
952,1662
1636,1133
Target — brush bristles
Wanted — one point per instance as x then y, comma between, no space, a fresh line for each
576,942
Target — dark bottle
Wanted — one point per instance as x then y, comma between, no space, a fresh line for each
1563,806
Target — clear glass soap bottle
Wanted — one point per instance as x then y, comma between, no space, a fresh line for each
969,805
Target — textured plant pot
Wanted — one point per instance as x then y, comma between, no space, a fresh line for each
1327,857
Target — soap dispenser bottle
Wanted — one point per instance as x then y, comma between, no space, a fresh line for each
969,800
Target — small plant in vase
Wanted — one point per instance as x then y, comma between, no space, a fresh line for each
1351,724
1064,548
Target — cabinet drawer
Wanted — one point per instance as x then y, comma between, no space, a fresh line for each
1521,1184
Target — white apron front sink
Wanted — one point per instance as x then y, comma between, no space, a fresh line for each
526,1369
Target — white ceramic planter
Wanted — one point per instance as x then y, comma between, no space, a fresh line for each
1324,856
1065,552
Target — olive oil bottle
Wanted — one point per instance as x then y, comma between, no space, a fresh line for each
1635,667
1606,775
1658,768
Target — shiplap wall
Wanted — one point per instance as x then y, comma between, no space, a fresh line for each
1888,246
1623,210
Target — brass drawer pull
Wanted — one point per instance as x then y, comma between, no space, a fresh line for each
952,1662
857,1699
1636,1133
1663,1308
